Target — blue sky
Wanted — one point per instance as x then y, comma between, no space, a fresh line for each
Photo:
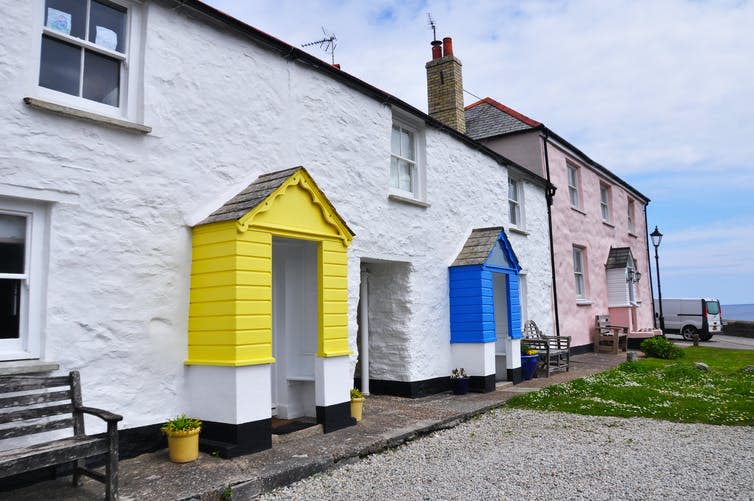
661,93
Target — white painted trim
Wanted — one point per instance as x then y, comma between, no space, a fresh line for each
232,395
40,194
333,380
477,359
364,317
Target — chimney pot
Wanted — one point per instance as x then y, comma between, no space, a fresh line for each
447,46
436,49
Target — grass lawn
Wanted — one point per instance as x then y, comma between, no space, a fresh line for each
673,390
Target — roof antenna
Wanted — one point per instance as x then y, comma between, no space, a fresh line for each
431,23
327,44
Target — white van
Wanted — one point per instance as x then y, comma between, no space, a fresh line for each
689,316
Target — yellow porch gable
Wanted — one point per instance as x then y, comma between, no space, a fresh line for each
230,312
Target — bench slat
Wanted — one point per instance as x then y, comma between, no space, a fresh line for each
36,412
37,398
20,431
10,384
50,453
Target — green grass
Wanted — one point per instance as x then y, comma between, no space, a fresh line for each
673,390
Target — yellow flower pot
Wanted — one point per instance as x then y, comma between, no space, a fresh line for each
183,446
357,405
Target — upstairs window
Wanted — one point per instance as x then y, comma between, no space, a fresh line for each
514,203
578,272
605,202
573,186
88,55
403,174
630,216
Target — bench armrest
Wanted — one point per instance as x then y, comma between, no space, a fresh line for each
105,415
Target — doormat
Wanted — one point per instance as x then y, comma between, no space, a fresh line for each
286,426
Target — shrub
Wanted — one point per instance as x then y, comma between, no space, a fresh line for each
660,347
355,393
181,423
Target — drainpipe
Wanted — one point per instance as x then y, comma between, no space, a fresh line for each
649,267
550,193
364,348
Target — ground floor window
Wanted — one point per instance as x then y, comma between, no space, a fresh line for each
21,243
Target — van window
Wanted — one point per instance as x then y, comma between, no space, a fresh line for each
713,308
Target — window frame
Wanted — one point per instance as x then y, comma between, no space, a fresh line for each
418,193
129,107
517,203
574,190
631,215
28,344
606,204
580,276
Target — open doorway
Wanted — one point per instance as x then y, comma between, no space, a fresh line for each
295,325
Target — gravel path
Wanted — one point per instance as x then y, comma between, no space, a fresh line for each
517,454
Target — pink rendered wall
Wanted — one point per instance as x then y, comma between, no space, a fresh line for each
585,228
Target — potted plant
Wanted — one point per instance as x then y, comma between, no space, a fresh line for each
529,360
459,381
183,438
357,404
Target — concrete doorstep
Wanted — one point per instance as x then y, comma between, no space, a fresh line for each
388,422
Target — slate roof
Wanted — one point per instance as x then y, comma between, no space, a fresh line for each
250,197
488,118
478,246
618,257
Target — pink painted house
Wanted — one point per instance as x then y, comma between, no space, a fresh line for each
600,254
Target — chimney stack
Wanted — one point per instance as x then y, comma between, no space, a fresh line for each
445,86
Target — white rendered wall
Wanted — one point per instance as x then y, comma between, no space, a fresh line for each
333,380
224,111
233,395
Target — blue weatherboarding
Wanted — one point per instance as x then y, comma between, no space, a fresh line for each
472,302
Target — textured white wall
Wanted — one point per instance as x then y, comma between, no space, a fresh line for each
224,111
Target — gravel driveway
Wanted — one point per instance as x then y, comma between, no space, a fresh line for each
520,454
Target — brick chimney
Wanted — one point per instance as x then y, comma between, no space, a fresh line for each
445,86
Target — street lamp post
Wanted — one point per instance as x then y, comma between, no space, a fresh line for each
656,239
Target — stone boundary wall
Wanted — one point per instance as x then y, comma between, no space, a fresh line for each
741,328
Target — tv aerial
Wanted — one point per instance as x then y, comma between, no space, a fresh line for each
432,25
327,44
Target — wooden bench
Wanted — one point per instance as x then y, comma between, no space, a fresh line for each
554,351
32,404
609,337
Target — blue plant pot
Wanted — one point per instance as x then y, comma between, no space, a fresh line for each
460,386
529,365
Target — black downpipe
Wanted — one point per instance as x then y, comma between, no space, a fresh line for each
550,193
649,267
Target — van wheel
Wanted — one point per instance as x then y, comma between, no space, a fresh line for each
705,337
688,332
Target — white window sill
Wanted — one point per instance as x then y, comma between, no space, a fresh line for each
407,200
514,229
578,210
584,302
87,115
608,223
17,367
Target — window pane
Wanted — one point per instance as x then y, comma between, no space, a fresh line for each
513,209
603,194
577,261
407,145
512,190
571,176
604,212
579,285
107,26
394,172
101,78
405,176
60,66
574,197
395,141
12,243
66,16
10,307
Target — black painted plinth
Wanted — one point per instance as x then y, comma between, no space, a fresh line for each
335,417
233,440
482,384
515,375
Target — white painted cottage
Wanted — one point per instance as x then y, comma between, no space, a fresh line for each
157,233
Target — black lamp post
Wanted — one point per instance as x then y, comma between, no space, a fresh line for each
656,239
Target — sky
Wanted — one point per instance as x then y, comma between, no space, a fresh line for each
659,92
